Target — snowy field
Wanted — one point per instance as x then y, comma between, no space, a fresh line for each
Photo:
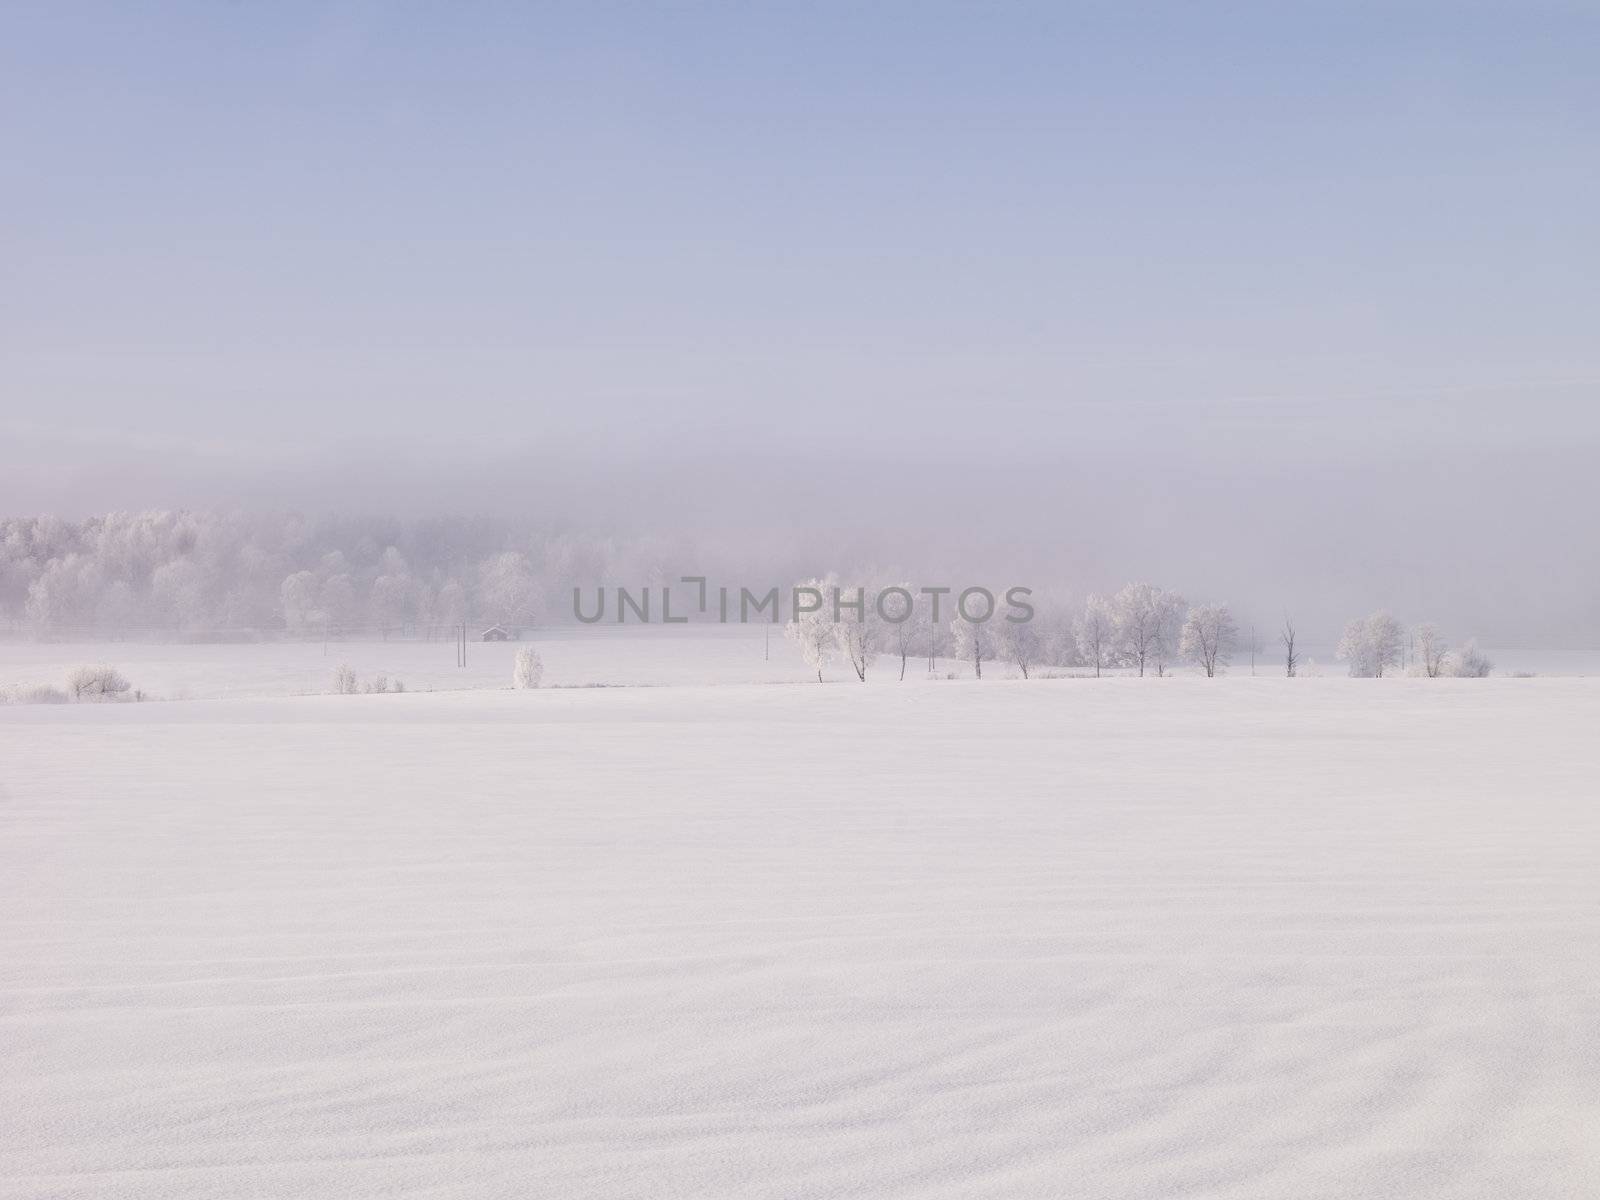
595,657
1261,938
646,656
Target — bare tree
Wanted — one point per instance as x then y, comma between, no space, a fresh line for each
1253,644
1291,660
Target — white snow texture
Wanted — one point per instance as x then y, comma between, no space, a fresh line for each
1234,938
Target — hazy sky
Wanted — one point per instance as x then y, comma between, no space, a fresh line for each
1245,259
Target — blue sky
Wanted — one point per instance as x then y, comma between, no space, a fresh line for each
1092,281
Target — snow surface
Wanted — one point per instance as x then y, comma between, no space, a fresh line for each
1236,938
600,656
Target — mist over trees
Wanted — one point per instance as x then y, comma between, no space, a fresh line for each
222,575
210,576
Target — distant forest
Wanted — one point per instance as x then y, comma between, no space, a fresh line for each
206,575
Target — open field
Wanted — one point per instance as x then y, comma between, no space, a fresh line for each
1226,939
645,657
573,657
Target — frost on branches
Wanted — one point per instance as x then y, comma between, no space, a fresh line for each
527,669
1209,636
811,626
1371,645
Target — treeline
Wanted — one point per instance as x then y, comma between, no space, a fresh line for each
217,575
223,576
1141,629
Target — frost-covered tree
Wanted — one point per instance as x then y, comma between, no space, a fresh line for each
507,587
178,594
344,680
811,626
1209,635
1058,646
450,605
297,599
857,629
1168,643
393,599
1370,645
527,669
1433,655
1388,640
339,604
61,601
1141,612
1017,642
972,642
1096,633
1291,657
117,611
904,621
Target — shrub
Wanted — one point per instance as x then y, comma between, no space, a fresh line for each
1470,662
33,694
344,680
528,668
97,683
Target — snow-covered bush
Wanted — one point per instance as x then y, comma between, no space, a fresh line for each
33,694
1470,663
344,680
97,683
378,684
527,669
